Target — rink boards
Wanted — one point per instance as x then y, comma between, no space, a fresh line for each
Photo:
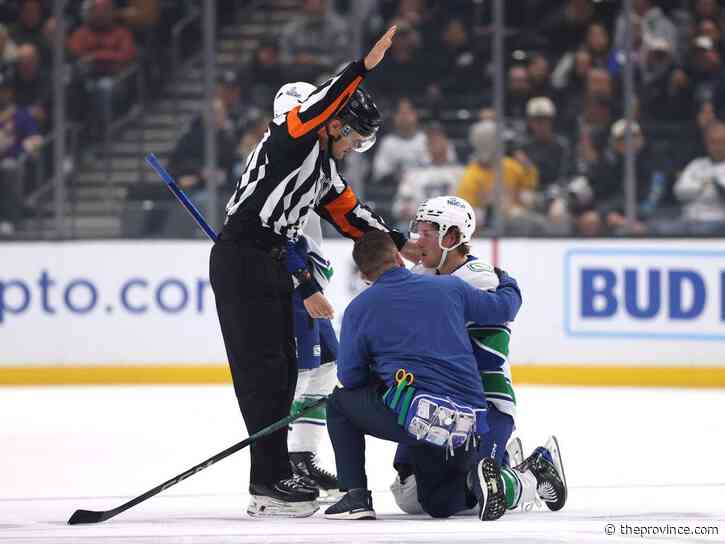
604,312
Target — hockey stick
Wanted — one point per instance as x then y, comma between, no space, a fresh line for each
181,196
92,516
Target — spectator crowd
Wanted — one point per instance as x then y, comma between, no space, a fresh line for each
115,50
564,130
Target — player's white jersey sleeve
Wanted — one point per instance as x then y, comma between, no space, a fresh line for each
479,274
475,272
496,381
313,229
321,267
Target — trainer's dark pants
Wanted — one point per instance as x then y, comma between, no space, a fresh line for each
253,293
353,413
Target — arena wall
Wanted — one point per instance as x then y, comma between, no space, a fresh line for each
598,312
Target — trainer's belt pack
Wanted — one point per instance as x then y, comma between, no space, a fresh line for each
431,418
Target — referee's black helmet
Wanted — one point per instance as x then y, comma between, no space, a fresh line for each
361,113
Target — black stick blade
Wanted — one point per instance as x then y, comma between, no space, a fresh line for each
86,516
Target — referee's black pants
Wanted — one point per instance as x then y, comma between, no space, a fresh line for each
253,292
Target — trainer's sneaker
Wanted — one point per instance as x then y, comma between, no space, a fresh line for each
356,504
546,466
484,480
286,498
305,465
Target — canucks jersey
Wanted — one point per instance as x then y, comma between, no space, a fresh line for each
306,252
490,340
321,267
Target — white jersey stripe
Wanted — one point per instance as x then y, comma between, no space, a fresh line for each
367,216
306,170
293,216
318,95
274,197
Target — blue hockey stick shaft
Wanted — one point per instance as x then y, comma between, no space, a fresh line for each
181,196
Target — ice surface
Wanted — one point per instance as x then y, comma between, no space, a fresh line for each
632,456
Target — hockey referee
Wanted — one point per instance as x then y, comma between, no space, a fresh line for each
292,171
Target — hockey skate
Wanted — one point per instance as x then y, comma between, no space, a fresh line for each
305,465
515,452
484,480
356,504
546,465
304,481
286,499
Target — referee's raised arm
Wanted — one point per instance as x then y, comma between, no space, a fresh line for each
329,98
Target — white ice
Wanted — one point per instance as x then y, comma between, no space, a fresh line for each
632,456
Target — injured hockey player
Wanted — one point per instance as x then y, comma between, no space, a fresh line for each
408,375
443,227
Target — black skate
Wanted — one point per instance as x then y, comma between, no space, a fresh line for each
356,504
486,483
305,481
286,498
304,464
546,466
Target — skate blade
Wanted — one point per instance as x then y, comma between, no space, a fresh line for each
267,507
552,444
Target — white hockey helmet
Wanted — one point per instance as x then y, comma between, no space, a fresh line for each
290,95
447,212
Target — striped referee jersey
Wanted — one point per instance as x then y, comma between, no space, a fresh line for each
291,171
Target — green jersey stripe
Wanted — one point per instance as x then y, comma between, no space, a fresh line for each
496,383
496,341
319,413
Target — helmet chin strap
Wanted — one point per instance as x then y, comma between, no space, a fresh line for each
446,250
444,254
